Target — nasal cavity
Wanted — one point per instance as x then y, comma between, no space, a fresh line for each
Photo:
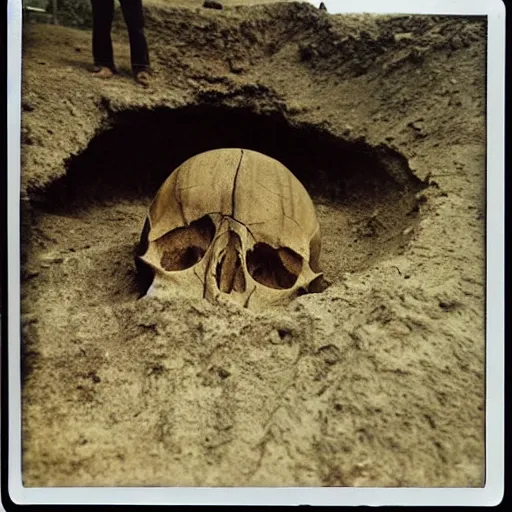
229,272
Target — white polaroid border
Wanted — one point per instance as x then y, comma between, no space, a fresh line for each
489,495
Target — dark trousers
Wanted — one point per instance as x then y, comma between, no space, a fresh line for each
102,17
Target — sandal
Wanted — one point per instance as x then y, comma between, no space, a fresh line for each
142,77
102,72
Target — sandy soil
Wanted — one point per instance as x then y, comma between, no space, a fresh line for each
378,380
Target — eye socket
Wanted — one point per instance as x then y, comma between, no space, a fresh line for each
274,268
184,247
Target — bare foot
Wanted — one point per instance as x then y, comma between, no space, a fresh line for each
102,72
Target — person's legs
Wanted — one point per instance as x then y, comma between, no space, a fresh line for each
134,17
102,16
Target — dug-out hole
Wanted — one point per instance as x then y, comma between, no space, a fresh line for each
90,219
140,148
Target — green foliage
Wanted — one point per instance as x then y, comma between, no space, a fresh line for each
75,13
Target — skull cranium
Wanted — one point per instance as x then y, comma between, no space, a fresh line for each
233,223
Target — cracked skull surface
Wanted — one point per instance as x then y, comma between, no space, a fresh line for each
232,224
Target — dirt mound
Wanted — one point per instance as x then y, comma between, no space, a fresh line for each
378,380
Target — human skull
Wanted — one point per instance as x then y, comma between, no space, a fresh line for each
234,224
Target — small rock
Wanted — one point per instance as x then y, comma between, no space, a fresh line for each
448,305
456,42
403,35
236,66
26,106
212,4
94,377
223,373
418,126
330,354
46,260
192,82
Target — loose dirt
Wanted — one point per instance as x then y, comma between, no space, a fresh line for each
378,380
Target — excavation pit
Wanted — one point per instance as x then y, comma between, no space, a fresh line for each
364,195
